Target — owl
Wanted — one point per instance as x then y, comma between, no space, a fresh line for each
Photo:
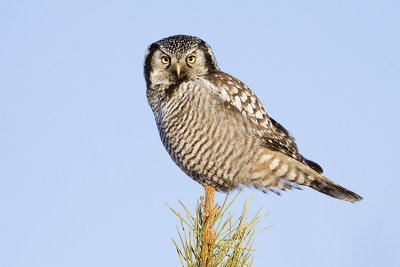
215,128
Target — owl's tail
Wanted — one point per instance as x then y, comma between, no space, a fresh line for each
326,186
322,184
284,172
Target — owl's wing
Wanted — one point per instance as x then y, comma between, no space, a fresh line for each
240,98
291,146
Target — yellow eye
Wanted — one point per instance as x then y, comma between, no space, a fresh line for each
191,59
165,59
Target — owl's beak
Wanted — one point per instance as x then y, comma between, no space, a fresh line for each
178,69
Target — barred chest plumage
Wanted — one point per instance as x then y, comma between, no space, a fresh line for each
204,138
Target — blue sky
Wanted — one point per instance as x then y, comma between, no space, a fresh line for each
83,174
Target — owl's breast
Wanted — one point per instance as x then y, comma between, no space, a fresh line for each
181,115
208,141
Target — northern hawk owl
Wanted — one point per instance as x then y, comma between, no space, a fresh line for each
215,128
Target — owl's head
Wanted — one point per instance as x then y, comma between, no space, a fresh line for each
177,58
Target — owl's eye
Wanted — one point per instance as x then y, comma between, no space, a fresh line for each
165,59
191,59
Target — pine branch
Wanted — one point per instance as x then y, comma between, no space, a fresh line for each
212,237
209,219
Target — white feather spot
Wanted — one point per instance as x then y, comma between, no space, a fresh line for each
259,115
259,174
282,170
237,103
264,158
243,97
281,184
300,178
292,175
234,89
249,109
224,95
274,163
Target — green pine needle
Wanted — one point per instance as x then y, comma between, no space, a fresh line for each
233,239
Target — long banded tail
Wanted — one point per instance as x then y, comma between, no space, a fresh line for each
275,170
